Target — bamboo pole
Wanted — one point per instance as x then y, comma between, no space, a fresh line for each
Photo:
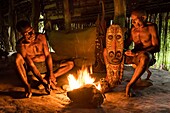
12,22
165,39
67,16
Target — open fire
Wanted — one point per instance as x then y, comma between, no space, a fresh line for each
83,79
83,90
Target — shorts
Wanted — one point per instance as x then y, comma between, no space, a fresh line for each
41,66
135,60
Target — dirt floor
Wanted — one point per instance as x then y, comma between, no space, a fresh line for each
152,99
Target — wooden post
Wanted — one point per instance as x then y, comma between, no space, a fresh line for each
35,13
120,12
67,16
1,22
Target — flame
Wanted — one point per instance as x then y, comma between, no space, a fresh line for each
83,78
91,70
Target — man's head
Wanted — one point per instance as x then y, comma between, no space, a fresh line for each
138,17
24,27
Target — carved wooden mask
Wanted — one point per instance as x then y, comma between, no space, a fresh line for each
114,44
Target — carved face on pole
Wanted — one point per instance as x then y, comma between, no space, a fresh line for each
114,44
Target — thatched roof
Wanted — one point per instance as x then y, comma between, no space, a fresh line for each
81,10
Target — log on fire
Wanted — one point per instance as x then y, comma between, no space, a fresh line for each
87,95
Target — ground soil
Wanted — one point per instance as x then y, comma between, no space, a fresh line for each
152,99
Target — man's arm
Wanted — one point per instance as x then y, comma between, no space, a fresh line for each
155,46
48,57
155,39
21,49
31,64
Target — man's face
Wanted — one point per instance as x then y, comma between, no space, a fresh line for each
29,34
136,21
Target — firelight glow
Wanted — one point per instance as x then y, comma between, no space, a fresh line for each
83,78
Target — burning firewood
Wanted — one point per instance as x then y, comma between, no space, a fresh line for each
105,87
87,95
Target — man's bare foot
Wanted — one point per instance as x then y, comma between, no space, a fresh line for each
149,80
28,94
149,74
46,85
53,85
143,83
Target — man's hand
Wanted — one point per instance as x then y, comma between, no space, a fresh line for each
130,53
52,78
53,83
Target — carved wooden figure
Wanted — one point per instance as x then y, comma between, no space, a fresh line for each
114,55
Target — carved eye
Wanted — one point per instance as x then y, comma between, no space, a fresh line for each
110,37
118,37
111,53
118,54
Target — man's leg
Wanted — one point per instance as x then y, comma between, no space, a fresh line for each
22,72
142,64
147,70
149,74
64,68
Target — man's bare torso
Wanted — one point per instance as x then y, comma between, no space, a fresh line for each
142,37
35,50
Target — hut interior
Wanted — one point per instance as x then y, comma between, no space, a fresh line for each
76,30
49,15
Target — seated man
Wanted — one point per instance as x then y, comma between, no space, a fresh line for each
33,54
146,42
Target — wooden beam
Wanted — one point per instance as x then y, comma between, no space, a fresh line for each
35,13
67,16
120,12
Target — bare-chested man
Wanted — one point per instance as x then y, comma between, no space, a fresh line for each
33,54
146,42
